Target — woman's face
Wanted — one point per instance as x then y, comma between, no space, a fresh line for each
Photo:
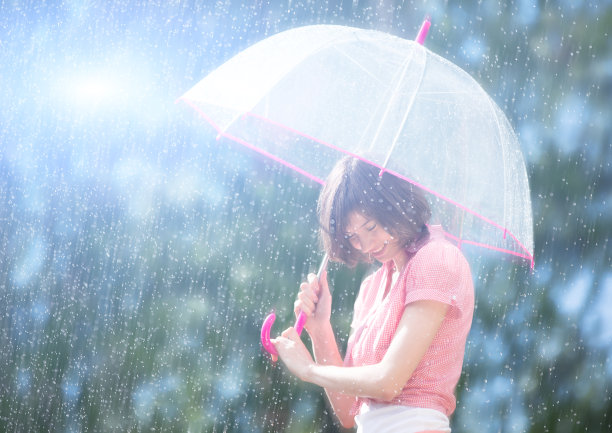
367,235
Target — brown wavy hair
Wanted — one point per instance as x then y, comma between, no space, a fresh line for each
356,186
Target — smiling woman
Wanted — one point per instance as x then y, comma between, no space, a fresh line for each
138,254
411,317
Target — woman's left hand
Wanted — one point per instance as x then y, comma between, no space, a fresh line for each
294,353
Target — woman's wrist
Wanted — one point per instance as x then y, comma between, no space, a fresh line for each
320,331
325,347
310,373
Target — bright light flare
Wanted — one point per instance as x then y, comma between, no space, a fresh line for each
99,89
94,90
115,89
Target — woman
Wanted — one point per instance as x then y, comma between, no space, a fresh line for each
411,317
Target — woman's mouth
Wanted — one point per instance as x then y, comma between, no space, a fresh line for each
380,252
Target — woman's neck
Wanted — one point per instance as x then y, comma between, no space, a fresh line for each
400,260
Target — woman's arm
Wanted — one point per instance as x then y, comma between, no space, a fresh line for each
315,300
326,353
383,381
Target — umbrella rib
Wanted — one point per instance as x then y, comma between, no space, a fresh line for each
395,104
353,60
245,143
390,103
504,160
526,255
406,112
324,45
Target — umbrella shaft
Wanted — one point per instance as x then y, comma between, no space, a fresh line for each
301,319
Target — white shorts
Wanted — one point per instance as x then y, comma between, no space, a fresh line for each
382,418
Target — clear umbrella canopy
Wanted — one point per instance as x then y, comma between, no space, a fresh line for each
306,96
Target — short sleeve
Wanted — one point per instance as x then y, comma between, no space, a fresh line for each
438,272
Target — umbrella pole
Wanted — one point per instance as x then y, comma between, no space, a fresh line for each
420,39
301,319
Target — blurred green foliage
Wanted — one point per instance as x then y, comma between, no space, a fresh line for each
138,255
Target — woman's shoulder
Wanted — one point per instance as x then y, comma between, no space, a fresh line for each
436,243
440,267
439,252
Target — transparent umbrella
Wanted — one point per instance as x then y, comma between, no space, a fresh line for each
307,96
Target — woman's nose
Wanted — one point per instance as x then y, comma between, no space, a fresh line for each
364,244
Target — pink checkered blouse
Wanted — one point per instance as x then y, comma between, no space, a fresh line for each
437,271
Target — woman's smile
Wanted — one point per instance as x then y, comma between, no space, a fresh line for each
380,252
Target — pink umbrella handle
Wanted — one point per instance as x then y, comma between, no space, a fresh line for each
265,334
299,323
267,326
420,39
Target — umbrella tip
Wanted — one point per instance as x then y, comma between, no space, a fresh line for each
420,39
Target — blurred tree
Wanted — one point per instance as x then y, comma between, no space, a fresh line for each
138,255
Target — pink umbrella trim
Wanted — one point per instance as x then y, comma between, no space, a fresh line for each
419,39
527,256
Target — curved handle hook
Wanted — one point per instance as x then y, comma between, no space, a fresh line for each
299,323
265,334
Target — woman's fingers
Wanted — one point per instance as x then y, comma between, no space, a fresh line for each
286,340
306,303
311,285
291,334
307,296
313,282
294,354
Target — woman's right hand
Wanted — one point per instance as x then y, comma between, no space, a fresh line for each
314,299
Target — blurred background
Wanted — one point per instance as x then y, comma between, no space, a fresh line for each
139,255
